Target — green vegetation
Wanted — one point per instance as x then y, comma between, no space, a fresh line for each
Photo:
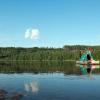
40,54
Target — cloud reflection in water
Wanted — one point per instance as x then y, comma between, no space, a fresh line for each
32,87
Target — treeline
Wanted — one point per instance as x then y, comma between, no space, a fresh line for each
36,53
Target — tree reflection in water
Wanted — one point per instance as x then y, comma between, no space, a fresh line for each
66,67
39,67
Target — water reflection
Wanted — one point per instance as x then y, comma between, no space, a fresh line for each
39,67
56,86
32,87
67,68
4,95
88,70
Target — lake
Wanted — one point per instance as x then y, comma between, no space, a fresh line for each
48,81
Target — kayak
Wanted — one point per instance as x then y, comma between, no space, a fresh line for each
86,62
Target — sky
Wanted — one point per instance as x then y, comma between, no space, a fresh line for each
49,23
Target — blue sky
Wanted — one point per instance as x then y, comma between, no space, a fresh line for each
52,23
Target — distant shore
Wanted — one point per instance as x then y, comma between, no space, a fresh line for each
67,53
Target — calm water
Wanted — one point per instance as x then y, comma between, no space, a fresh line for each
49,81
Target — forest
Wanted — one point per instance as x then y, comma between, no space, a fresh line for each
67,52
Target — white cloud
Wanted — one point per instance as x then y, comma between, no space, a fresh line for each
32,34
27,33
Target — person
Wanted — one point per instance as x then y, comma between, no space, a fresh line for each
88,52
88,57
